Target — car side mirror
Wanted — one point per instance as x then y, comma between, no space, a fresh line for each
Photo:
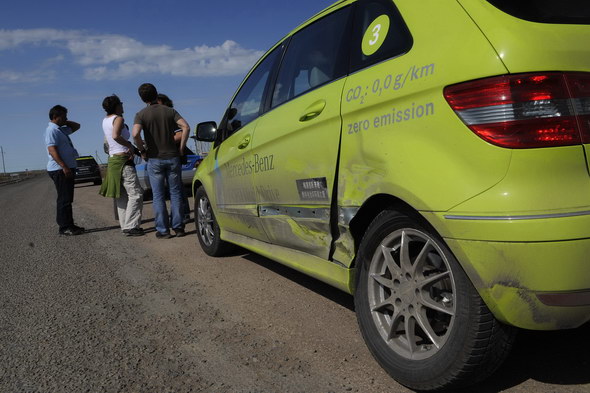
206,131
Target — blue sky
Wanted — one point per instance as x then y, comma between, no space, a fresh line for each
74,53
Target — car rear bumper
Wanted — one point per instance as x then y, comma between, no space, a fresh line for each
84,179
87,177
533,272
540,286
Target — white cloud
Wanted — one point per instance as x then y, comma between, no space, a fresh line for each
10,76
109,56
14,38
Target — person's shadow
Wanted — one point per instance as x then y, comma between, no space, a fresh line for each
114,227
103,229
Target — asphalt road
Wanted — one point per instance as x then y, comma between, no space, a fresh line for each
106,313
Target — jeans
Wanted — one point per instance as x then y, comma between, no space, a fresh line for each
65,197
186,207
159,172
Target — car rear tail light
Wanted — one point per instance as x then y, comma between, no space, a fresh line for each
579,85
526,110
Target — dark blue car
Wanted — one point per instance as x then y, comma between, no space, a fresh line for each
188,170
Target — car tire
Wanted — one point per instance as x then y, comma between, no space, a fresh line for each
418,312
208,231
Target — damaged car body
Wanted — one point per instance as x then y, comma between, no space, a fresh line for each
432,164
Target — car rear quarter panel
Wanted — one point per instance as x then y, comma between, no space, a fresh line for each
429,159
400,137
527,46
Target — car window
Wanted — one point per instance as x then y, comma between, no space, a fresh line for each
315,56
248,102
547,11
380,33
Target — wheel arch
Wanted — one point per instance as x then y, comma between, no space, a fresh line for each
378,203
196,184
375,205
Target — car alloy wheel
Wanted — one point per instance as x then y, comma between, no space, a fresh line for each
205,221
411,294
209,234
419,313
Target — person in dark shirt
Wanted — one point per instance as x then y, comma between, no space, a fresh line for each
163,99
158,123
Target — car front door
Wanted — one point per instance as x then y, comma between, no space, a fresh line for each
295,149
232,172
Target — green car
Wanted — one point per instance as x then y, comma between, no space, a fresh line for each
430,158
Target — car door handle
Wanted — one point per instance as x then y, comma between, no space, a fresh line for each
313,110
245,142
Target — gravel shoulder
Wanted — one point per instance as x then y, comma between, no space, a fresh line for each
106,313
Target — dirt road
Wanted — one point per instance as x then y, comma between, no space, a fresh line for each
106,313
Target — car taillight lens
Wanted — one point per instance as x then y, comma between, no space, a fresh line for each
579,85
526,110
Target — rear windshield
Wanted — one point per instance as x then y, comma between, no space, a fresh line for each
547,11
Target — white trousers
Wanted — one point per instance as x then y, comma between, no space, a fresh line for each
130,203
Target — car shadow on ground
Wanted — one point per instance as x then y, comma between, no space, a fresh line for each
551,357
317,286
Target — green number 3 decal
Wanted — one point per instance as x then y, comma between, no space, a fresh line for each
375,35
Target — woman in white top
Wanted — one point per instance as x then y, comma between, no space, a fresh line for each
121,181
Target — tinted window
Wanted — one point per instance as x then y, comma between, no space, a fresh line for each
315,56
547,11
379,33
247,104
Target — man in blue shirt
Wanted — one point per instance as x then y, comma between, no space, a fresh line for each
61,166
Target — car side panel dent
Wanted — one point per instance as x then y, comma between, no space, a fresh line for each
331,273
344,246
307,235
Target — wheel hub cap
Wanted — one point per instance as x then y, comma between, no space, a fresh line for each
411,293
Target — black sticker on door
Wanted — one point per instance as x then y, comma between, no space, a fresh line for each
315,189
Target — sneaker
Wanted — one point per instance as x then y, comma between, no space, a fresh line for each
165,235
180,232
72,231
134,232
78,228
